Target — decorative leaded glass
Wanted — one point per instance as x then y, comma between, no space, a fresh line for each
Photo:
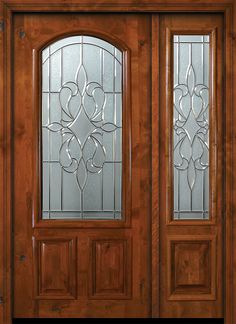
191,127
81,129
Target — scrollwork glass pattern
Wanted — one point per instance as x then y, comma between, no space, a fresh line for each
191,126
81,129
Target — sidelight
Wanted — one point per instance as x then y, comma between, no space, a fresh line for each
191,126
81,129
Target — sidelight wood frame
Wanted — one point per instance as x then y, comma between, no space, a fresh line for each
228,9
213,155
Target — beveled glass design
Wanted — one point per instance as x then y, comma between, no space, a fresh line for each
191,127
81,129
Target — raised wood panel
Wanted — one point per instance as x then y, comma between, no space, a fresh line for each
192,263
55,268
192,267
110,268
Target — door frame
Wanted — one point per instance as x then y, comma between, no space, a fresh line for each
7,9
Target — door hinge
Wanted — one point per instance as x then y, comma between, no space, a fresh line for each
2,25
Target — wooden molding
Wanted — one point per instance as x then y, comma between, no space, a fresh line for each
49,284
110,280
188,279
7,8
121,6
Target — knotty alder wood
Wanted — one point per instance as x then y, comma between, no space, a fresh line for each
187,247
155,166
2,191
7,8
230,243
118,5
80,255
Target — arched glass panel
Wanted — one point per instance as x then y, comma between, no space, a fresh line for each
81,129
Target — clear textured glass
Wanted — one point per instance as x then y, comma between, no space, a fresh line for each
81,129
191,127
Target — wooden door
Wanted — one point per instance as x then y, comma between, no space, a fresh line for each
81,242
82,165
191,209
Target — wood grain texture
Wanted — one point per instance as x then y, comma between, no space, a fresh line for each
7,155
73,294
55,263
6,9
230,159
121,6
192,267
2,191
121,3
192,305
155,167
110,269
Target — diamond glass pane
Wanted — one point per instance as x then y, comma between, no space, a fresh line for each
81,129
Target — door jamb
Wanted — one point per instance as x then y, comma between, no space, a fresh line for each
7,10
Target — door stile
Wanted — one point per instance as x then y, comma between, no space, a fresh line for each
7,161
229,93
2,232
155,166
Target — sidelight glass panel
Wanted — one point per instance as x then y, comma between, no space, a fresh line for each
81,129
191,127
